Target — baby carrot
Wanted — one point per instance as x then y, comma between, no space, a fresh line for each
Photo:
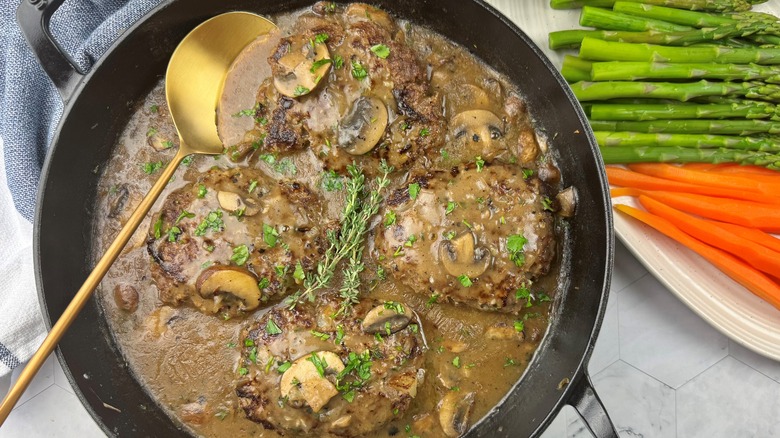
758,256
752,279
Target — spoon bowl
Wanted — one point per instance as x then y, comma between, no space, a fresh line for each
193,84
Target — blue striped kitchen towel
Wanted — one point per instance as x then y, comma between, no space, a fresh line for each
30,109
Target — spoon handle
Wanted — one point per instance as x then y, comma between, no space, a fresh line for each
86,290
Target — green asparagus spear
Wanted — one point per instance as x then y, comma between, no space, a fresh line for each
688,155
610,20
569,39
629,71
598,50
696,19
640,112
700,141
575,69
694,5
720,127
576,4
588,91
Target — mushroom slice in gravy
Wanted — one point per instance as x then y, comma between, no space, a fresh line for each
299,64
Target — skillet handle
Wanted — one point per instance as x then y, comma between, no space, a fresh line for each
587,403
33,17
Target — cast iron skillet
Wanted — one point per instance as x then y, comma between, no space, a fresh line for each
98,104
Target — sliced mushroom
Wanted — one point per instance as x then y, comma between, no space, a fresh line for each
302,383
461,256
232,280
386,320
233,202
299,66
479,130
567,202
454,413
363,126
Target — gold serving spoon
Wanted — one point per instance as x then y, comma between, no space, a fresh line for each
193,85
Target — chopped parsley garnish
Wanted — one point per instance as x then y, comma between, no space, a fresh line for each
154,108
381,50
527,173
389,218
547,204
298,274
158,228
321,38
543,297
480,164
152,166
449,235
358,71
213,222
332,181
271,328
523,293
414,328
300,90
284,366
319,63
519,326
187,161
338,61
173,233
281,270
467,224
240,255
414,190
433,299
451,205
184,214
358,367
243,371
263,283
202,191
424,132
248,342
270,235
319,335
456,362
514,245
410,241
395,307
330,7
250,112
252,186
319,363
465,280
339,334
285,165
444,154
167,144
502,220
151,131
510,362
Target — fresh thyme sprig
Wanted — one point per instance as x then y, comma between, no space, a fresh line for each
349,241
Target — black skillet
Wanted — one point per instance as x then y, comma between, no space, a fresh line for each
98,104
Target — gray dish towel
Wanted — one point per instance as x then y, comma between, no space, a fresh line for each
30,109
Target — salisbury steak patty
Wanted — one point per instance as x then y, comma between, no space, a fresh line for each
233,239
308,373
478,236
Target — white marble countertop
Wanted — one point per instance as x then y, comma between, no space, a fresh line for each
660,370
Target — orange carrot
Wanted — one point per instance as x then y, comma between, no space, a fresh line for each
736,182
627,178
746,170
758,256
751,234
752,279
703,166
764,217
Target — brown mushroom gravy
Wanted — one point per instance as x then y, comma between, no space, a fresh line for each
424,323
